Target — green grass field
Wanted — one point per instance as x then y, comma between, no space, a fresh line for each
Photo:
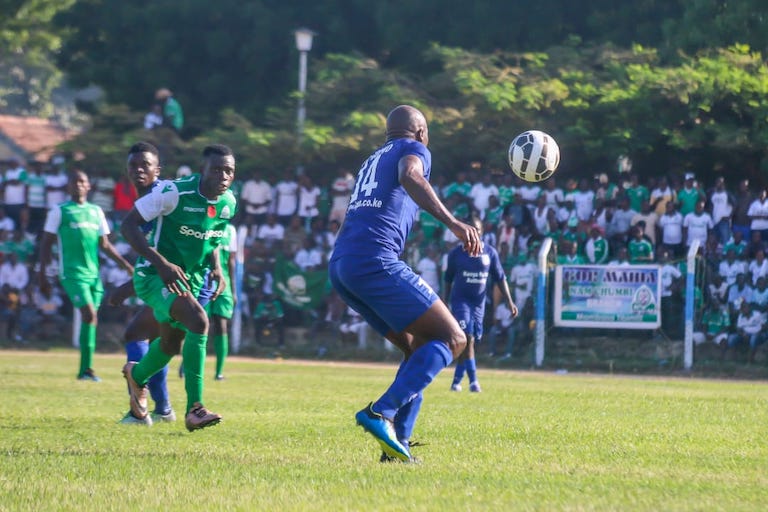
530,441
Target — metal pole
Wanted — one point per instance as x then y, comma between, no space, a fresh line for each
541,299
689,297
301,114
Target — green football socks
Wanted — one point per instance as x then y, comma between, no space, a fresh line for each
221,343
194,366
152,362
87,346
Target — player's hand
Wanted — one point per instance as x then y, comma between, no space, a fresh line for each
216,275
174,278
469,237
513,309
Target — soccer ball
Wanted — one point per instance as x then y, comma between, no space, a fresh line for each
534,156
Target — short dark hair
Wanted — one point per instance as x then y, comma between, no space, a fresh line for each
217,149
143,147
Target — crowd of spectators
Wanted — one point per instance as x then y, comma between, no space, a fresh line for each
624,220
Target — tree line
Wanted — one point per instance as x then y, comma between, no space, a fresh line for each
676,85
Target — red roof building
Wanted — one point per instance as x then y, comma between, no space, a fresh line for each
30,138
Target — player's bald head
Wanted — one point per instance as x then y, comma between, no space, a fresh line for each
405,121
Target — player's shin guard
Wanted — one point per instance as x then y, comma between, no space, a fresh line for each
194,367
87,346
420,369
458,373
154,361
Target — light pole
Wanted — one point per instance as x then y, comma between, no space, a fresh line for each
304,45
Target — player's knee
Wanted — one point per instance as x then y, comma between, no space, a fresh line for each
457,343
197,323
88,315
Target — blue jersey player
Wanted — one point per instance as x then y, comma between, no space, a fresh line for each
467,282
366,271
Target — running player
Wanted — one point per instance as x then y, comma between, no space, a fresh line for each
192,215
466,287
80,229
223,307
143,169
366,271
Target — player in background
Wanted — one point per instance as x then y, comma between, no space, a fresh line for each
222,308
192,217
366,271
466,288
80,229
143,169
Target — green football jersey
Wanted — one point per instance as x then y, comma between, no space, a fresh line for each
189,226
78,228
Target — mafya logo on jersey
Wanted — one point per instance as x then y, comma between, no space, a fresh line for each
211,211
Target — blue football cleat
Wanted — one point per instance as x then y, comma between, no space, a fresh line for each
89,375
384,432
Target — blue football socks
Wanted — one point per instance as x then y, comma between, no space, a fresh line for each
157,384
418,371
471,368
458,373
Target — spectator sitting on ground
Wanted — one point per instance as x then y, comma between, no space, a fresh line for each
715,325
760,295
758,267
750,329
738,293
271,232
309,257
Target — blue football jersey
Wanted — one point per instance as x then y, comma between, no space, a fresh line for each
471,276
380,212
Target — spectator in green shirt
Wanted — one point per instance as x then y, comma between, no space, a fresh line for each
689,195
173,115
636,193
640,249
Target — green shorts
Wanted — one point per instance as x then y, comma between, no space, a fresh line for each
223,306
152,290
83,292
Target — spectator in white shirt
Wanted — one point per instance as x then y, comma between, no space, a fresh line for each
7,225
55,186
671,228
429,269
661,196
731,267
270,232
256,197
758,215
722,207
286,198
553,194
14,273
697,224
341,190
309,257
480,194
15,191
750,328
583,201
758,267
309,195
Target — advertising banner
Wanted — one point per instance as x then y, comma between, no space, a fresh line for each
607,296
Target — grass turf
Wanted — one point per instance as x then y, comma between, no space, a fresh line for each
530,441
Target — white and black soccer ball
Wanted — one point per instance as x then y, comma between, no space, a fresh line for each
534,156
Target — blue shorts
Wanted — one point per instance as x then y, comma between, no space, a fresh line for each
470,318
387,293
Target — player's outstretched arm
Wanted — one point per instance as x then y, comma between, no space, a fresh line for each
411,177
504,288
172,275
106,246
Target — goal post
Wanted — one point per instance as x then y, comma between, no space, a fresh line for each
541,300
